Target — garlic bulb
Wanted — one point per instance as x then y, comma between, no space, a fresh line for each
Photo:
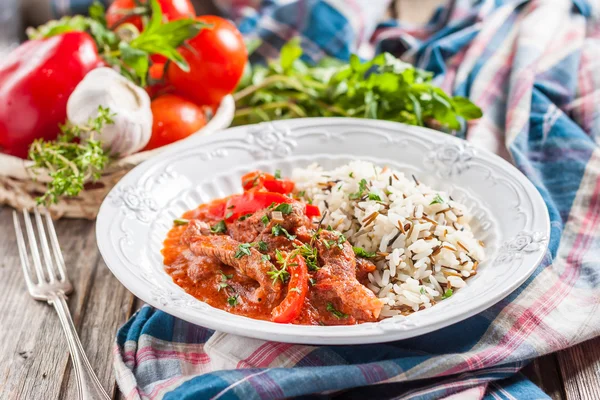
129,103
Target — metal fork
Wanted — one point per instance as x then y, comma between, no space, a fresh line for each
53,288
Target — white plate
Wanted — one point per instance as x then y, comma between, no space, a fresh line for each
134,219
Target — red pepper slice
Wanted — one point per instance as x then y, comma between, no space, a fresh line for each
312,211
258,180
291,306
251,202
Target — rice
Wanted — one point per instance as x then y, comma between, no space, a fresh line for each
423,240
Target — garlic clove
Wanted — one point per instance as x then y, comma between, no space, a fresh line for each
129,103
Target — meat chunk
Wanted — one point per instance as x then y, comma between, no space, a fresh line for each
247,230
336,280
363,268
224,248
194,229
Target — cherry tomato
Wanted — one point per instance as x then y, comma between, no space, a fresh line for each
174,118
291,306
258,180
216,56
250,202
172,10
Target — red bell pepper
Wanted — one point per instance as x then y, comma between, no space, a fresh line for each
291,306
258,180
36,80
250,202
312,211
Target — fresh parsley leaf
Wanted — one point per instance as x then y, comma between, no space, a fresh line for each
437,200
362,187
340,241
222,285
228,215
278,230
351,174
422,291
243,250
329,228
245,217
219,227
180,221
262,246
266,257
232,300
265,219
374,196
285,208
447,293
225,277
336,313
277,174
360,252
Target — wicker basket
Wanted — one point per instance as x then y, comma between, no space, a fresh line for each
19,189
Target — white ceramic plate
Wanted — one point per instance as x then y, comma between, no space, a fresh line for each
133,221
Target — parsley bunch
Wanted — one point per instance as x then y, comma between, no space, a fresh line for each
382,88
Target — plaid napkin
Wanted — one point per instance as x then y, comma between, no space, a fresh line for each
533,68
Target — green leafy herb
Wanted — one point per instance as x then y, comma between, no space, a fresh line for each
266,257
181,221
447,293
381,88
278,230
329,228
312,281
280,273
351,174
225,277
336,313
222,285
245,217
232,300
285,208
243,250
340,241
228,215
309,253
362,187
219,227
374,196
262,246
301,193
360,252
277,174
422,291
71,162
437,200
265,220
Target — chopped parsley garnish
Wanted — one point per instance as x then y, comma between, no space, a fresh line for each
245,217
301,193
232,300
228,215
360,252
329,228
285,208
265,219
280,273
336,313
422,290
278,230
351,174
262,246
310,255
362,186
243,250
273,204
447,293
266,257
222,285
312,281
181,221
374,196
219,227
437,200
277,174
224,278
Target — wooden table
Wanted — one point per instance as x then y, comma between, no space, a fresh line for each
35,362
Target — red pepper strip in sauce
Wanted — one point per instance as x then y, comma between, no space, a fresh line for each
291,306
250,202
258,180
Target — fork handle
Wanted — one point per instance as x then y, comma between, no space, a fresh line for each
88,386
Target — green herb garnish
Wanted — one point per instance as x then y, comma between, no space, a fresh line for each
243,250
280,273
265,220
278,230
447,293
219,227
277,174
362,186
360,252
336,313
228,215
374,196
262,246
437,200
285,208
232,300
245,217
181,221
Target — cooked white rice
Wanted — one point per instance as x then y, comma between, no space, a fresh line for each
424,243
